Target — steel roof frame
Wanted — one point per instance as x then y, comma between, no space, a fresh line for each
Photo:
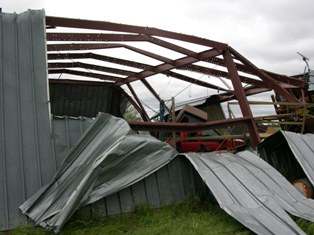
115,35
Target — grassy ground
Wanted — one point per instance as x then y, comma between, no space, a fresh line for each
193,217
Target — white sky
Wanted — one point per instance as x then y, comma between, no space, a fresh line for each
268,33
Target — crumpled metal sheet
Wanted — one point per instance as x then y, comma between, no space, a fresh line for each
302,146
110,157
107,158
252,191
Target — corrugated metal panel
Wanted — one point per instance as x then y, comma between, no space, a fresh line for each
65,132
156,190
253,192
246,187
292,153
25,147
108,158
83,98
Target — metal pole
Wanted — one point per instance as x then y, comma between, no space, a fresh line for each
162,118
173,116
241,97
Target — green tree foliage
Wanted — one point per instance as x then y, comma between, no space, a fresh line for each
131,114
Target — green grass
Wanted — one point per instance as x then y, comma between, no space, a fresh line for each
192,217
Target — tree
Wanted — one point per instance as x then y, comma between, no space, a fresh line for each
131,114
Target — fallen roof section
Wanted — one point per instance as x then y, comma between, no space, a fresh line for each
108,157
301,146
252,192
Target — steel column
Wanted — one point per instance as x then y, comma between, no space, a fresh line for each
240,94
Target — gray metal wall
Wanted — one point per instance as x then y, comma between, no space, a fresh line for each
171,184
29,152
25,146
65,132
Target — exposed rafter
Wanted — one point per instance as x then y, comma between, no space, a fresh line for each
112,36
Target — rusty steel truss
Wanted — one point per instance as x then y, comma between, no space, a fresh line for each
66,48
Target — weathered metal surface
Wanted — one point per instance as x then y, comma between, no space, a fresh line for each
25,147
298,151
83,98
245,186
253,192
65,133
107,158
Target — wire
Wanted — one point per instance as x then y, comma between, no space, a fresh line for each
165,86
142,102
186,88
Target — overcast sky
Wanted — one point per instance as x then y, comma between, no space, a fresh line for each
268,33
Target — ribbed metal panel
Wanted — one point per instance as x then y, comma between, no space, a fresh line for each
290,153
171,184
157,190
83,98
252,191
65,132
108,158
25,148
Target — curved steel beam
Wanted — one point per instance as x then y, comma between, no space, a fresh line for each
114,27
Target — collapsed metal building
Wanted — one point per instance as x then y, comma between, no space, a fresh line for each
87,39
37,132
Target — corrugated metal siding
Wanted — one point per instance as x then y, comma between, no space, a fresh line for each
171,184
108,158
25,147
65,132
77,98
290,153
253,192
157,190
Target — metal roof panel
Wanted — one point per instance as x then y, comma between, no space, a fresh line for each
253,192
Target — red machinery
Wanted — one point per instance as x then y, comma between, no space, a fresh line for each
201,145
